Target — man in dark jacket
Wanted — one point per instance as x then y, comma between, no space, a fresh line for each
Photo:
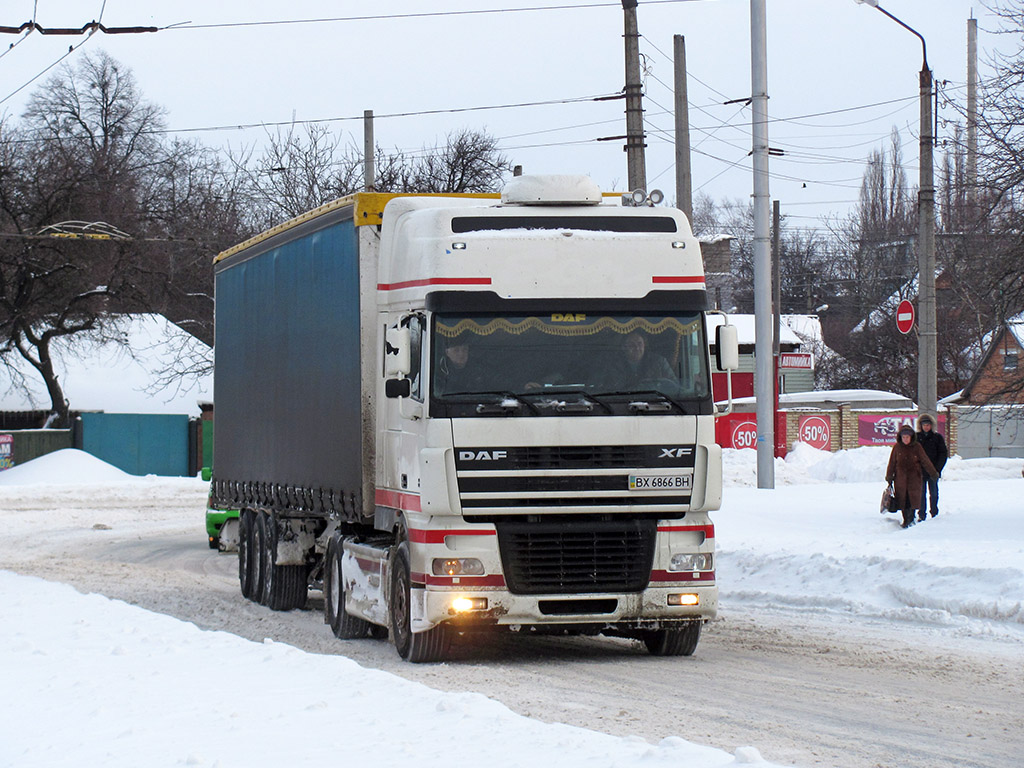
935,447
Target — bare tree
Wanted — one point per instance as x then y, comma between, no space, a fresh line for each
297,171
89,150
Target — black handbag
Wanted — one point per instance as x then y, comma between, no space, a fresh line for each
889,500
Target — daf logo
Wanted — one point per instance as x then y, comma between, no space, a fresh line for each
482,455
674,453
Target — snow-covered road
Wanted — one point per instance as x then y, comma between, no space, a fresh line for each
843,641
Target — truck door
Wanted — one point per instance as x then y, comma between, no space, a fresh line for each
403,421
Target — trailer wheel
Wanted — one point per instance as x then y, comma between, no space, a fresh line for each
258,550
245,553
284,586
344,625
673,642
416,647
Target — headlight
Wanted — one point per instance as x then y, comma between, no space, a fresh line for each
461,566
692,561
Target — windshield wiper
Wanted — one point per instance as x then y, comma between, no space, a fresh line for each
640,404
509,401
584,404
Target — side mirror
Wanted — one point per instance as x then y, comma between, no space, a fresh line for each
397,388
727,348
397,352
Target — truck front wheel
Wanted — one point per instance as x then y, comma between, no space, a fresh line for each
417,647
673,642
344,625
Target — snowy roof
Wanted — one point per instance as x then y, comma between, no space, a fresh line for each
827,398
745,329
807,327
103,375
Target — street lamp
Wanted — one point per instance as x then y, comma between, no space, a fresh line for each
927,360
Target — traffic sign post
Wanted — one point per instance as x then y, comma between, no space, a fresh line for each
905,317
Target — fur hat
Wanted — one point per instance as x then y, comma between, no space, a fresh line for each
906,429
925,419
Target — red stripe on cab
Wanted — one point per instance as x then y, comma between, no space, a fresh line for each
421,536
407,502
709,530
682,576
465,582
677,279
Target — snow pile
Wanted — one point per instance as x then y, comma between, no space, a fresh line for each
105,683
68,466
818,543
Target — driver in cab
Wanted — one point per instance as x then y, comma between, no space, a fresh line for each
636,364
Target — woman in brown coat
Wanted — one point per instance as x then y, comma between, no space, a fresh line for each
907,465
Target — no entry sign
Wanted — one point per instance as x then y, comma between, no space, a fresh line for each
905,316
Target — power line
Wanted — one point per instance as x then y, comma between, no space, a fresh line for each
422,15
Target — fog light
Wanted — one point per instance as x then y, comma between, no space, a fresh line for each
683,600
464,604
457,566
691,561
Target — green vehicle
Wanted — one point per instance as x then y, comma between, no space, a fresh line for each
221,524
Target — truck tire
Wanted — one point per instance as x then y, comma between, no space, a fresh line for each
417,647
673,642
344,625
245,553
258,553
284,586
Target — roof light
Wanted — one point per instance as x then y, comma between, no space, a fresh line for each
656,197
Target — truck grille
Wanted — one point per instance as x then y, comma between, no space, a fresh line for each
499,481
558,558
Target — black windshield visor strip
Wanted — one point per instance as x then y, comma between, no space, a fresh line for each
489,301
622,224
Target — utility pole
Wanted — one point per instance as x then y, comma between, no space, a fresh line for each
776,303
927,369
684,180
369,172
764,388
635,164
927,338
972,114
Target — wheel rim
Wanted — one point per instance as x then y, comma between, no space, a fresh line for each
400,600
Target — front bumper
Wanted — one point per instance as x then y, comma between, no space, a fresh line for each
649,608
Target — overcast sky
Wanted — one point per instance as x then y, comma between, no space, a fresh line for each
840,76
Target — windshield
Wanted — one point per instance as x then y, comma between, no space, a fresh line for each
569,362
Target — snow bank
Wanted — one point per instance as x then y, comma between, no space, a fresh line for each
817,543
104,683
68,466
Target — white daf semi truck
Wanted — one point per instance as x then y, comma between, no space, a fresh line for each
458,414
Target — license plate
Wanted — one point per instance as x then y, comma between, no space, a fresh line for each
660,482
